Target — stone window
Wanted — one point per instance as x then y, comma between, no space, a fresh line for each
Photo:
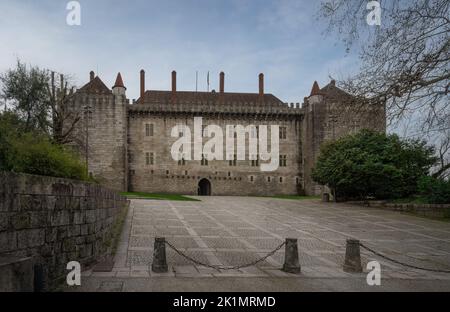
185,172
233,162
283,133
252,178
297,180
255,162
229,173
149,158
281,179
283,161
204,161
255,132
268,179
167,172
181,160
148,129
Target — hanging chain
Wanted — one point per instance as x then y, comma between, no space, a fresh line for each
401,263
221,267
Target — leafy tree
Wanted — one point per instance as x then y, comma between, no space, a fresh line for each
25,89
372,164
40,100
405,62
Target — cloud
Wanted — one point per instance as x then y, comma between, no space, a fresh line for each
242,38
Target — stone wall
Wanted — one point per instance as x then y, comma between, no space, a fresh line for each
55,221
166,175
426,210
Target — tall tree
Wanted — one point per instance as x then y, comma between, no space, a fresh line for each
40,100
25,89
405,61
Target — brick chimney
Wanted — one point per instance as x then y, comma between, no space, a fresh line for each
91,75
142,85
174,85
222,83
261,86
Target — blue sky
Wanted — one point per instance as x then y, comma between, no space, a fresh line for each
282,39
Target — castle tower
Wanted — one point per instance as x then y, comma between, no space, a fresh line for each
313,134
102,130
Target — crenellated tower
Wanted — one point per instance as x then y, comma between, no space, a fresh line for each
101,134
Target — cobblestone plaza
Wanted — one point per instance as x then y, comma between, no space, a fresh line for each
232,231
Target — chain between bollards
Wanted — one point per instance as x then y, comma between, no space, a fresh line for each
352,263
291,263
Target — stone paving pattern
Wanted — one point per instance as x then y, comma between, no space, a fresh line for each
236,230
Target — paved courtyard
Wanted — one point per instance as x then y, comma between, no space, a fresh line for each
232,231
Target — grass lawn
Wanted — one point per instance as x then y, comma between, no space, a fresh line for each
157,196
295,197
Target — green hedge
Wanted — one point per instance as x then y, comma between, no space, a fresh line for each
434,190
34,153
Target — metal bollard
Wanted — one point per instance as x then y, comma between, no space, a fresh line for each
352,262
291,263
159,264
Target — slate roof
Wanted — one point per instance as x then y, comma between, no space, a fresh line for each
95,86
119,81
333,92
191,97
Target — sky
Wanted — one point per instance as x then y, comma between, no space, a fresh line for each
282,39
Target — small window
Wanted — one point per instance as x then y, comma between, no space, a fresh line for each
281,179
233,162
283,161
229,173
148,129
204,161
255,162
297,180
268,179
254,132
167,172
185,173
149,158
283,133
181,160
252,178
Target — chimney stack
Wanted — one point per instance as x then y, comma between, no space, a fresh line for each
261,85
142,85
174,82
174,85
91,75
222,83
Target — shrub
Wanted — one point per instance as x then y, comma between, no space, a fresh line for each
371,164
434,190
34,153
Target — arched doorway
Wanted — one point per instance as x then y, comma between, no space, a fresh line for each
204,187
